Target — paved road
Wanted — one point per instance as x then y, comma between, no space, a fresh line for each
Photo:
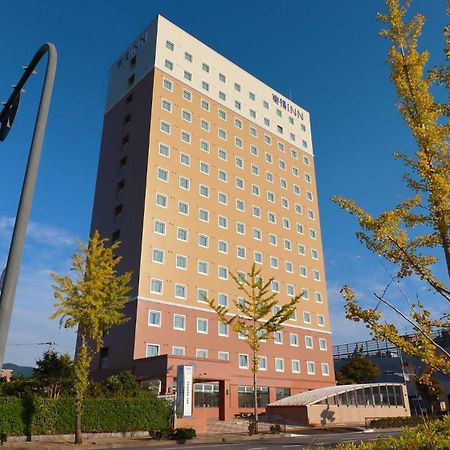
283,443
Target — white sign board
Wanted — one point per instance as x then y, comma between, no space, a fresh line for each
184,391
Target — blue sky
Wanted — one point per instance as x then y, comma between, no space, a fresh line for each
327,56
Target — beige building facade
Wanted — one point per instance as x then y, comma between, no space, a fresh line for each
204,170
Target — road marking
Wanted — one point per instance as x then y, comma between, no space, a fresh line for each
290,446
203,446
258,448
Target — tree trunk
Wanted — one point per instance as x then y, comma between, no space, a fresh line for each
78,437
255,395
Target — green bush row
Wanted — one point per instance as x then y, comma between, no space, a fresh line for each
394,422
32,416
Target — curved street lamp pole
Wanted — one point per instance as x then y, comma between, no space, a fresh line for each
7,115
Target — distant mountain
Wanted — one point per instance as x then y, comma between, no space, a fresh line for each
19,370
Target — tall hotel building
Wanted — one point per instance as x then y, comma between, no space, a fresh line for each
203,170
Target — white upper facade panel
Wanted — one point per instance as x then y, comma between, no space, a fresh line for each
185,58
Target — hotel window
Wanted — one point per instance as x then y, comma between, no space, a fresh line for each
318,297
178,351
164,150
314,254
308,342
205,105
320,320
237,123
158,256
304,144
295,171
187,75
186,137
283,183
291,120
240,205
239,182
222,154
309,196
278,337
182,234
202,326
294,154
272,239
268,157
269,177
256,211
186,115
310,214
271,217
222,134
160,227
152,350
284,202
163,174
205,86
301,250
290,290
280,129
255,190
204,190
316,275
325,369
222,78
279,364
286,223
165,127
223,356
254,150
156,286
181,262
222,222
306,317
289,267
185,159
293,339
266,104
203,215
203,240
243,361
222,114
270,196
188,57
222,272
222,198
281,146
253,131
183,208
201,353
292,136
237,105
279,112
274,262
305,294
223,176
240,252
296,189
161,200
287,245
322,344
204,167
184,183
202,295
237,87
295,366
180,291
267,139
303,271
257,234
154,318
222,299
312,233
266,122
302,127
166,105
222,329
168,64
252,96
258,257
298,208
275,286
307,178
253,114
311,368
255,170
239,162
262,363
222,95
167,84
222,247
299,228
238,142
240,228
205,67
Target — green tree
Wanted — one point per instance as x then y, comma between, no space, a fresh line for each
359,369
255,317
430,391
54,373
123,384
412,234
93,302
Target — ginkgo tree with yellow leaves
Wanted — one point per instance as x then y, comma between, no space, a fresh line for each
254,318
414,235
92,301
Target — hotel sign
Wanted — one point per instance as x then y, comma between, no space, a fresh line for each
133,49
287,106
184,391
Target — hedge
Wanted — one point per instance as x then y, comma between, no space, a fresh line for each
32,416
397,422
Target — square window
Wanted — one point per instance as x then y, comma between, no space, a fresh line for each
202,295
275,286
295,366
158,256
187,75
182,234
222,154
222,222
167,84
258,257
202,326
222,95
222,134
202,267
205,105
152,350
311,368
223,329
165,127
243,361
184,183
223,356
160,227
188,57
186,115
181,262
222,272
161,200
203,240
237,105
180,291
279,364
186,137
205,86
204,167
183,208
201,353
166,105
222,114
293,337
179,322
240,205
257,234
239,162
262,363
204,190
322,344
185,159
168,64
222,198
240,252
222,247
320,320
325,369
240,228
308,342
318,297
278,337
205,67
256,211
222,299
156,286
154,318
266,104
237,87
178,351
164,150
222,78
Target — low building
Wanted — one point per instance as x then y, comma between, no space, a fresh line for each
346,404
6,373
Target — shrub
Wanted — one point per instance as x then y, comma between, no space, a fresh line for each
275,429
397,422
180,434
